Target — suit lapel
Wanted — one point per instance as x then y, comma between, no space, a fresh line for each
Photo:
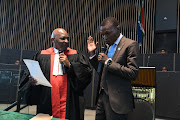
119,48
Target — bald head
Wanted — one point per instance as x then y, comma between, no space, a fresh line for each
60,39
58,31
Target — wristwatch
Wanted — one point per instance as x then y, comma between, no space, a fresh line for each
108,62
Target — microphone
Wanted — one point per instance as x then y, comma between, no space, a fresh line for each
62,64
103,50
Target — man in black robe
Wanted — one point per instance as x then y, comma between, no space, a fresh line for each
75,78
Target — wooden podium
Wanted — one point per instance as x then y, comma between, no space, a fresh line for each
146,77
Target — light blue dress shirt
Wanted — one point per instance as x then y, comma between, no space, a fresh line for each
113,47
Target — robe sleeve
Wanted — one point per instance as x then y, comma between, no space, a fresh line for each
94,62
27,91
80,72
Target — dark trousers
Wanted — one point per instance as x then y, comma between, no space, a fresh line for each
104,110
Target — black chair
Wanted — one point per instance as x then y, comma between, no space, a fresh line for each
143,110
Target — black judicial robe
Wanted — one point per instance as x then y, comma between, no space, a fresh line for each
78,77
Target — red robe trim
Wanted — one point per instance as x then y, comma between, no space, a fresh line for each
59,86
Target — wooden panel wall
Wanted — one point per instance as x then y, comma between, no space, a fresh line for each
28,24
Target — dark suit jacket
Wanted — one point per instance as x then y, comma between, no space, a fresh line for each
119,74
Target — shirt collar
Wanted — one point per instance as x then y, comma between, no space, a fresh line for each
56,50
118,39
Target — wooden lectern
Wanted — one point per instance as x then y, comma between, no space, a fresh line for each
146,77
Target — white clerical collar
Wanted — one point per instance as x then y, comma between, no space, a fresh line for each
118,39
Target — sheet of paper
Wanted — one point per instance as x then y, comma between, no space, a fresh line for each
36,72
42,116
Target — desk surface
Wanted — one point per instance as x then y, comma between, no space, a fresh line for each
6,115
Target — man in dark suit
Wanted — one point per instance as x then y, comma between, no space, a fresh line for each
115,99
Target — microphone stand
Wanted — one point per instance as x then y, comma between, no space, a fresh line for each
148,61
17,102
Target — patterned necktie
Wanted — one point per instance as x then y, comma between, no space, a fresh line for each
111,51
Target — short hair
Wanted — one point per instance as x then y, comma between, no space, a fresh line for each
110,20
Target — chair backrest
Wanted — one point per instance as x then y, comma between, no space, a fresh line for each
143,110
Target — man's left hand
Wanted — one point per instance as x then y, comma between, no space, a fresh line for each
102,57
63,58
